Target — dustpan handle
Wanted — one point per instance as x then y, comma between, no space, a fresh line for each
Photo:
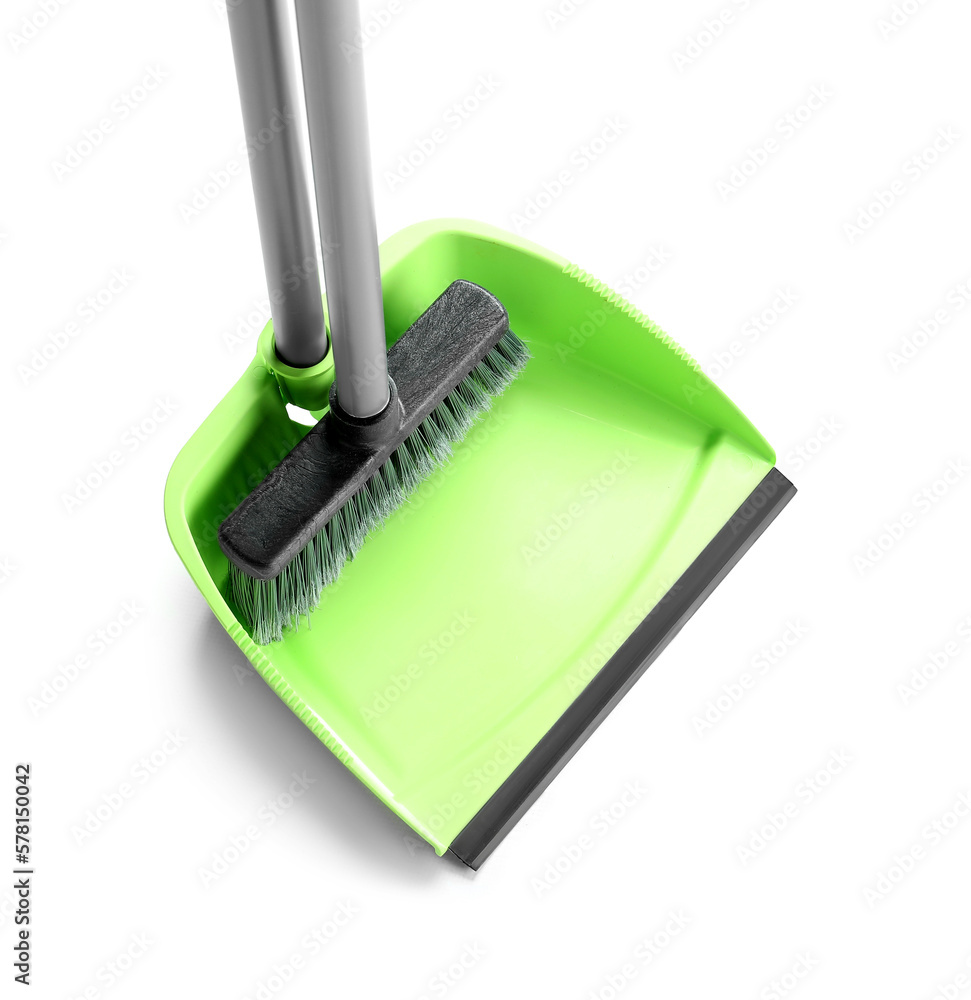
264,57
333,79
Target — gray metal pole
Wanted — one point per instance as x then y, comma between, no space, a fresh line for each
264,56
337,111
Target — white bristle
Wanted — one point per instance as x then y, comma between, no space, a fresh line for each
270,606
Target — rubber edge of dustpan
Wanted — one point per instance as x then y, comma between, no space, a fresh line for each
541,765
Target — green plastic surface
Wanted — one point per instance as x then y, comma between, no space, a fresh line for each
463,630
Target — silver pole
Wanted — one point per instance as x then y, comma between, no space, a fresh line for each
264,55
337,112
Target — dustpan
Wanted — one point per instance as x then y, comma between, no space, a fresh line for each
480,637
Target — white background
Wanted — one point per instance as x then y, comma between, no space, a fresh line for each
861,434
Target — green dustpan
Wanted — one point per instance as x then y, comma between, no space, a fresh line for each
528,584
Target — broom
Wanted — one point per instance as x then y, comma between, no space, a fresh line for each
393,415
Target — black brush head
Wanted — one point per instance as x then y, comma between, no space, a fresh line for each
293,533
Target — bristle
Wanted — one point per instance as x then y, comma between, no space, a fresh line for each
270,606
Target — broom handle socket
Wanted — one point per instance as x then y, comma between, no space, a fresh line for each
333,83
264,55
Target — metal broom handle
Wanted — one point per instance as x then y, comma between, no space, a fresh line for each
333,83
263,53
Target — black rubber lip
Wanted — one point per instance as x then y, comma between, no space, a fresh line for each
541,765
330,464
